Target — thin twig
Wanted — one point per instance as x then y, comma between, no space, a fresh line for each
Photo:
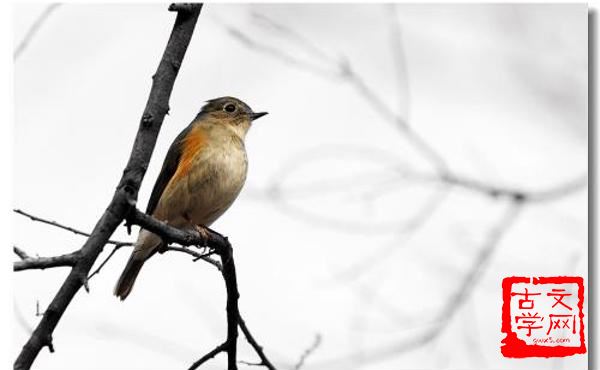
456,300
21,253
220,348
197,256
264,360
308,352
117,245
114,250
64,227
35,27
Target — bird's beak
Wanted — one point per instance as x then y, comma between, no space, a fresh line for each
254,116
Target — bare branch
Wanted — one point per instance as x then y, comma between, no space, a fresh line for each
68,228
289,59
345,70
291,36
115,249
529,196
197,256
40,263
223,248
399,59
122,207
221,348
214,240
21,253
264,361
35,27
456,300
170,234
308,352
71,258
127,190
184,7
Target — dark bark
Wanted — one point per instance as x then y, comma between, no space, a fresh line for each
223,248
264,361
217,244
40,263
126,193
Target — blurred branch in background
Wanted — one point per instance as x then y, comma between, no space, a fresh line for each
33,29
308,352
394,175
342,69
452,304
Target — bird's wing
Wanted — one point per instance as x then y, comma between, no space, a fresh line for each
168,169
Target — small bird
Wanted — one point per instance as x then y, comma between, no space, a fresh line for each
203,173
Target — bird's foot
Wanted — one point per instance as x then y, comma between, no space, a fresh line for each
204,233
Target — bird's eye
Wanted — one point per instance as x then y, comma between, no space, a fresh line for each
229,108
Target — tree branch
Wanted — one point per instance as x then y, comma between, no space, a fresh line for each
35,27
126,193
264,361
443,318
197,256
223,248
221,348
308,352
71,258
343,69
64,227
112,253
30,263
211,239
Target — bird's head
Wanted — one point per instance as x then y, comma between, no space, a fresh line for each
231,112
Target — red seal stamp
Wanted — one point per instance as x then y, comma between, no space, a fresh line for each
542,316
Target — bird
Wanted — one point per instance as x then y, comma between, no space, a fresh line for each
202,174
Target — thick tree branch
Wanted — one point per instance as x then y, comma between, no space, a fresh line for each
233,314
126,193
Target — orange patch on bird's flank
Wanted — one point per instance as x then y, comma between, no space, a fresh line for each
190,146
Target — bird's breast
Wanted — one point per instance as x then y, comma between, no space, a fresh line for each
216,177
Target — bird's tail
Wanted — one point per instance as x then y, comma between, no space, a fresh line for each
145,247
128,276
